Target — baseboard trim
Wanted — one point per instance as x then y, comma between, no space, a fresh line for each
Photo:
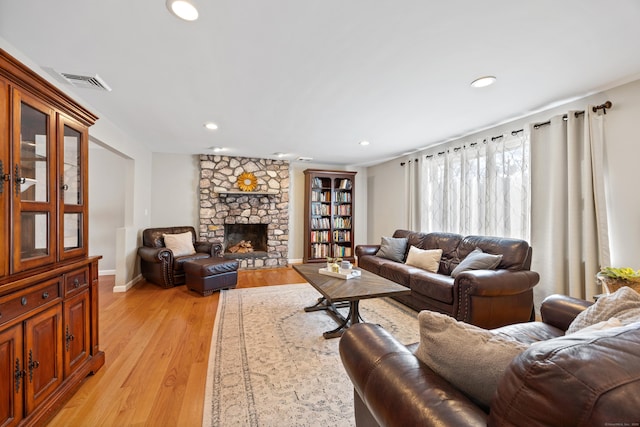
128,285
106,272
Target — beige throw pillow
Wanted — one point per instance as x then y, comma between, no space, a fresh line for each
426,259
472,359
180,244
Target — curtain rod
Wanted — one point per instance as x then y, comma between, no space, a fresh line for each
603,107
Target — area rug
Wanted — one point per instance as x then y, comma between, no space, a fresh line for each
270,366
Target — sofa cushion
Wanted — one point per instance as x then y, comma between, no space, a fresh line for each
180,244
477,260
472,359
393,248
426,259
396,272
590,378
432,285
373,263
623,304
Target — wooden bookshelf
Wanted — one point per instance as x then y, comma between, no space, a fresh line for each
328,216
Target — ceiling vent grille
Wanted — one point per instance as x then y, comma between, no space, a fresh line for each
86,82
304,159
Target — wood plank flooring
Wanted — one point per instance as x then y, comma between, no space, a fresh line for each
156,343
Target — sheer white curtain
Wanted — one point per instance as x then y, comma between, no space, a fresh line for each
569,232
479,188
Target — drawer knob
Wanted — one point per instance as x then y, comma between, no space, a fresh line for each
76,283
45,295
23,301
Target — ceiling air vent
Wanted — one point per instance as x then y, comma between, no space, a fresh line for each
86,82
304,159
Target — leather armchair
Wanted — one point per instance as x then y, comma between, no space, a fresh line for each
158,264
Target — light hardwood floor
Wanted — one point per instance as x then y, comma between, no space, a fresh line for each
156,343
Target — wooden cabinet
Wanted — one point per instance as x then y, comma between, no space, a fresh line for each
48,284
328,216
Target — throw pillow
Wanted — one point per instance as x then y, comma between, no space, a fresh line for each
477,260
393,248
180,244
623,304
472,359
426,259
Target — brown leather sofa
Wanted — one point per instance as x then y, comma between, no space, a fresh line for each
587,380
157,263
485,298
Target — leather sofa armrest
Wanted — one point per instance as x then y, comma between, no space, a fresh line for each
495,282
155,255
213,249
362,250
560,310
396,387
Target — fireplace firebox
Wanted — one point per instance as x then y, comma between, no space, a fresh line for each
254,233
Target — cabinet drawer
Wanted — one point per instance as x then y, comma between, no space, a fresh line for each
76,281
15,305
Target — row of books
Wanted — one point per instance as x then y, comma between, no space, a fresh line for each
319,236
342,197
321,250
320,209
342,223
320,223
320,196
342,236
341,251
343,210
344,184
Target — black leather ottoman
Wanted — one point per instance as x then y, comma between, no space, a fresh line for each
208,275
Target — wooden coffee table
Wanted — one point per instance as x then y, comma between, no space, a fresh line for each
337,293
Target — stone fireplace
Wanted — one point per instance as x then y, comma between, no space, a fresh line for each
228,215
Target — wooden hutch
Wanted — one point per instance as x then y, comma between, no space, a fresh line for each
48,283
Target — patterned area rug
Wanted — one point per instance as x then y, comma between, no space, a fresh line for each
270,366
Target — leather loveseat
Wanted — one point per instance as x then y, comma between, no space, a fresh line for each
584,379
485,298
159,265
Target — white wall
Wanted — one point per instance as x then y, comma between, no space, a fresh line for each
622,151
175,191
106,204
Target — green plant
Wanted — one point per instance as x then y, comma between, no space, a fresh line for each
624,273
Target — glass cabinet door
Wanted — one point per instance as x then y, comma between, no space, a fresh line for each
5,185
33,204
72,189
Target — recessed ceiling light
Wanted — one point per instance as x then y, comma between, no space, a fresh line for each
211,126
217,149
363,143
483,81
279,154
183,9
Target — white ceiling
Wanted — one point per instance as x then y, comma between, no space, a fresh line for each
313,78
